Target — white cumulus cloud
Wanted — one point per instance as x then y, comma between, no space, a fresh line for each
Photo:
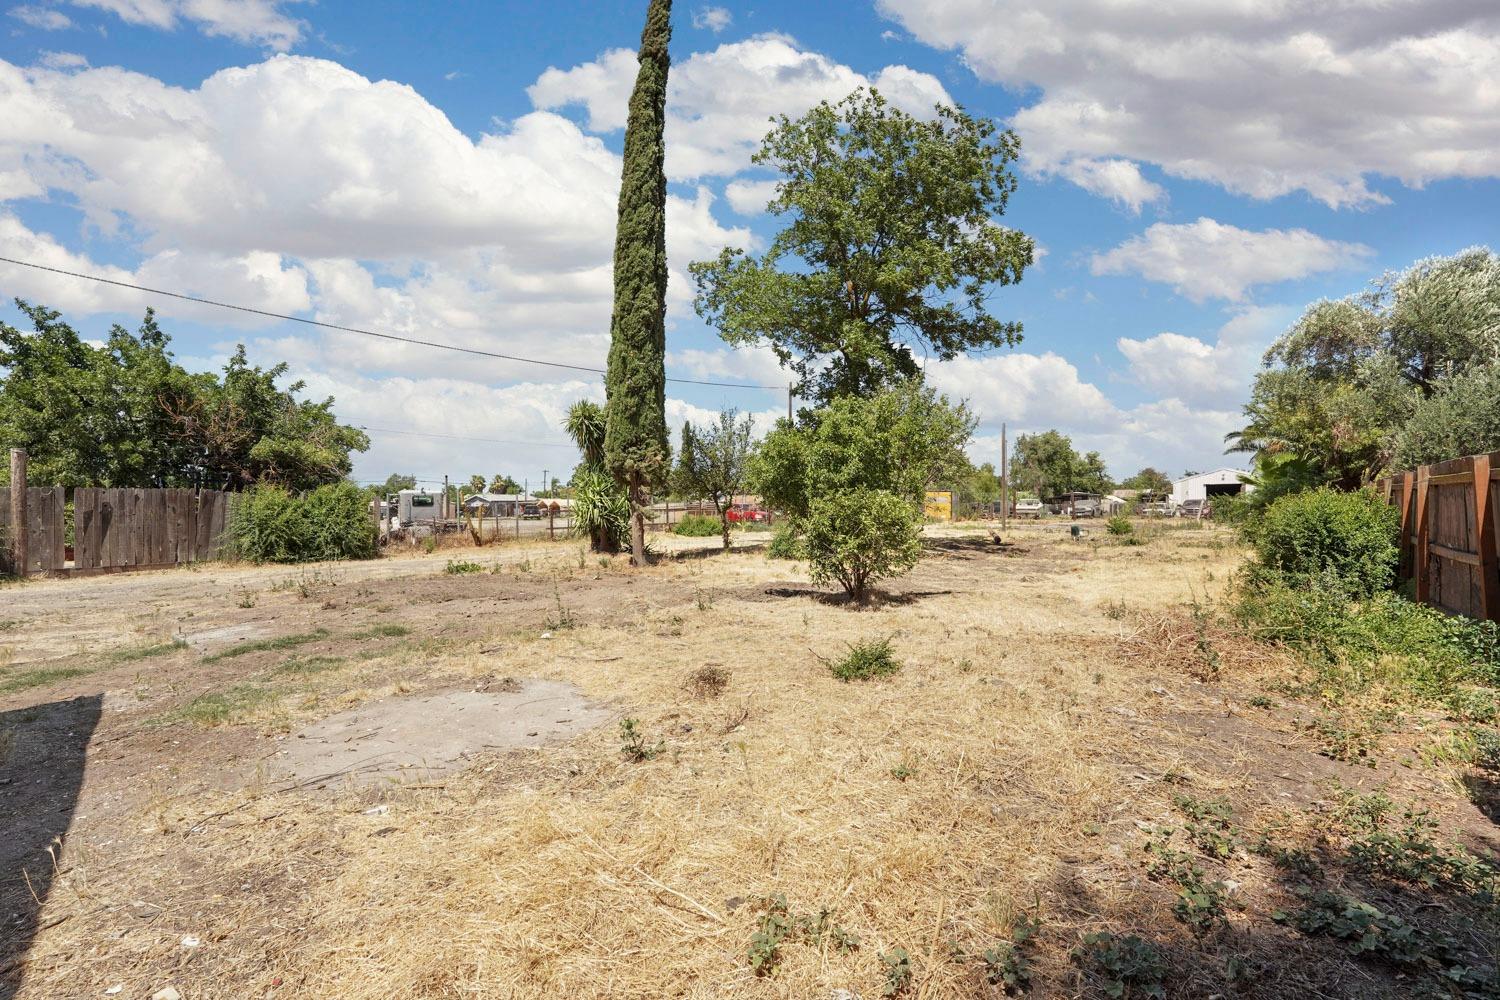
714,19
1262,97
1208,259
261,22
720,102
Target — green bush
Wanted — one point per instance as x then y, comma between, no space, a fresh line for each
1119,525
698,526
861,536
1346,538
866,661
787,543
270,524
1385,639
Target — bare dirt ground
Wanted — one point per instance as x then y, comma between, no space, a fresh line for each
168,821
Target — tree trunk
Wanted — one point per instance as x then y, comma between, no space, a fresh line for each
637,522
723,522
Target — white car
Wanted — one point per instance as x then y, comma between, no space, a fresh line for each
1027,507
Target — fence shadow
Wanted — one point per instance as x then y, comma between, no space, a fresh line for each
43,753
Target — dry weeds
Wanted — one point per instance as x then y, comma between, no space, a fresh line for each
1003,771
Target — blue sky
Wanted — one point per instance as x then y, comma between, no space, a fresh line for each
1194,172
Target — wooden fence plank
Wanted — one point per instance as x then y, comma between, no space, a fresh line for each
85,527
109,537
5,552
1421,557
46,546
1485,534
220,522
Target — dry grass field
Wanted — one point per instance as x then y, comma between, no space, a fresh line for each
1059,704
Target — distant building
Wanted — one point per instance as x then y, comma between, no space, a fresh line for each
497,504
1207,485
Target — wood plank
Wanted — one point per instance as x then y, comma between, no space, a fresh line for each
1408,485
85,526
204,525
107,534
1455,555
172,498
1486,517
1423,559
222,503
5,550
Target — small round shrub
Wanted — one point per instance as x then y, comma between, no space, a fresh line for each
1119,525
1326,533
860,536
698,526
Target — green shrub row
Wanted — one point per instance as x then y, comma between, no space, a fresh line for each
271,524
698,526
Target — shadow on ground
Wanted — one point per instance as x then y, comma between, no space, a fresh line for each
42,759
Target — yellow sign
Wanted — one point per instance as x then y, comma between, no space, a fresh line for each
939,505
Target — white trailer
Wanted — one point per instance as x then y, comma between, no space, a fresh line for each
416,507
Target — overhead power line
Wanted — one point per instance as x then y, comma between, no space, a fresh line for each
354,329
465,437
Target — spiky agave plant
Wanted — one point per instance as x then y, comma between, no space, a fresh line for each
601,510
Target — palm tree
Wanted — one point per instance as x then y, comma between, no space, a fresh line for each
585,425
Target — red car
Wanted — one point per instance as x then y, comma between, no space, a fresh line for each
743,512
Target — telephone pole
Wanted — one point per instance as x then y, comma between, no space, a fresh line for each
789,402
1004,482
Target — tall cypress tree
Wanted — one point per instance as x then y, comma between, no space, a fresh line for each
635,440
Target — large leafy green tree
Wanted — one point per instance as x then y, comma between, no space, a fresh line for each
713,462
1338,388
1462,418
126,414
1149,479
635,439
891,251
1046,464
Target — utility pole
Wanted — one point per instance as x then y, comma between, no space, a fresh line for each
443,511
18,551
545,480
1004,482
789,402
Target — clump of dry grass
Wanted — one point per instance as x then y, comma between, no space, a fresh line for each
1193,640
708,681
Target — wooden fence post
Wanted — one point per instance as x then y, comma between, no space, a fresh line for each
1422,558
18,547
1489,556
1408,482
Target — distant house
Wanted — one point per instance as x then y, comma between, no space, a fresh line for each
1207,485
496,504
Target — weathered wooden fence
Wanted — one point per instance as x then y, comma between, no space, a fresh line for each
114,529
1450,523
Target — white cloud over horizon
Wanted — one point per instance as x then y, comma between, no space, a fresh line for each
1261,97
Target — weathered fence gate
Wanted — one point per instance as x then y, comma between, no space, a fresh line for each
114,529
1450,523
